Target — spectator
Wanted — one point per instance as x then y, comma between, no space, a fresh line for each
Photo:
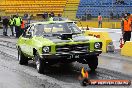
59,15
45,15
117,16
50,17
52,14
0,18
111,15
17,22
122,15
11,23
5,25
126,26
23,27
99,21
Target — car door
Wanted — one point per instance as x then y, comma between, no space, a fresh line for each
22,41
28,43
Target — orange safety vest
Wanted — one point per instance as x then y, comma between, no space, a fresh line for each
22,25
99,18
127,25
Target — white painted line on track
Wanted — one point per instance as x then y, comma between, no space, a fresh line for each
116,29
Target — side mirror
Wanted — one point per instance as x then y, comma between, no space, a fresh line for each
28,35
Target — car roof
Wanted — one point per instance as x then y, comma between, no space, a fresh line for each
51,22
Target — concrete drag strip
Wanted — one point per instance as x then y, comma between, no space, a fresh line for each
53,79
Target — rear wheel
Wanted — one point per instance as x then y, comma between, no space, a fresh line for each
40,64
21,58
93,62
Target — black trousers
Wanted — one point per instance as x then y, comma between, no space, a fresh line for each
12,29
127,36
99,24
18,31
5,28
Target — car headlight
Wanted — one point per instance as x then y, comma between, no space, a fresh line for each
46,49
97,45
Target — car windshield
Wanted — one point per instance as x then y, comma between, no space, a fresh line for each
59,19
56,28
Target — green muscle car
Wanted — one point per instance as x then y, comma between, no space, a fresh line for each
52,42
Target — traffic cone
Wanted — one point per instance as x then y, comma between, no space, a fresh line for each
121,42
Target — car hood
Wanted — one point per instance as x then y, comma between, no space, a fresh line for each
75,38
55,40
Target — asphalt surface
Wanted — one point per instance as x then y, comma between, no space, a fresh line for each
13,75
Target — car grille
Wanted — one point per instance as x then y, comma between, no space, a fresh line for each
74,47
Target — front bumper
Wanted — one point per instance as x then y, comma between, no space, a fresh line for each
71,55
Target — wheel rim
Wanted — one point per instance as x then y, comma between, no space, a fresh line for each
38,64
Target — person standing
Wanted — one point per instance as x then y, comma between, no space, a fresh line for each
99,21
50,17
11,23
23,27
126,26
17,22
0,18
5,25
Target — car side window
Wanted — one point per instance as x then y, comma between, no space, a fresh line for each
29,32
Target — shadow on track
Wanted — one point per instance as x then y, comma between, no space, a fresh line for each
65,72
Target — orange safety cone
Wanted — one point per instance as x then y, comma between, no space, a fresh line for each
121,42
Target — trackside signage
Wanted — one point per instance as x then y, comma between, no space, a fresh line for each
109,82
84,80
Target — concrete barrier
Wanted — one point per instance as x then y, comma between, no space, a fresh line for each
104,36
95,24
127,49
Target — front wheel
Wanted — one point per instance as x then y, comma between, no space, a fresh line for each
21,58
39,64
92,62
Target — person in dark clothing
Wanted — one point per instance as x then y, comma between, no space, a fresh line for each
45,16
0,18
126,26
52,14
5,25
111,15
59,15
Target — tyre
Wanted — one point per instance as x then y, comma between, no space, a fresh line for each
21,58
85,82
40,64
93,62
